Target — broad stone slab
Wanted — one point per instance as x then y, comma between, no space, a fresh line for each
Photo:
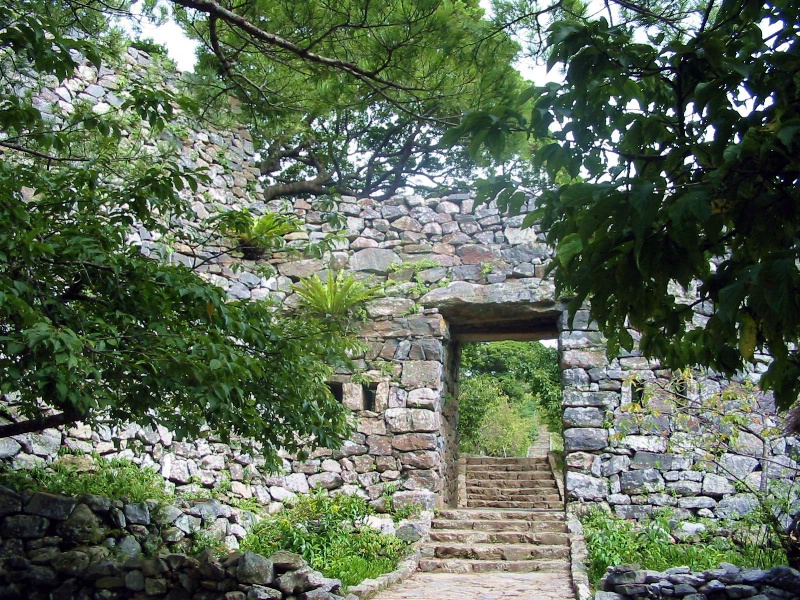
421,374
410,420
414,441
583,417
374,260
641,482
577,398
585,439
585,487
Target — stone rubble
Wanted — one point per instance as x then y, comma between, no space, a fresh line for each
629,582
93,548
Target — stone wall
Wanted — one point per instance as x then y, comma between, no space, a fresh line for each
725,582
454,272
55,547
638,458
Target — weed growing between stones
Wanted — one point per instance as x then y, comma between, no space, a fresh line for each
78,475
330,532
656,544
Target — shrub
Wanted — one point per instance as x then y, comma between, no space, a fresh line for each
329,532
525,373
504,431
114,478
612,541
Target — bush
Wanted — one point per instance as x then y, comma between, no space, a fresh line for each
76,476
329,532
504,431
612,541
507,390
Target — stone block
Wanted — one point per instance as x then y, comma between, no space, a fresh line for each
583,359
600,399
696,502
585,487
641,482
686,488
660,461
414,441
50,506
419,498
733,507
325,480
353,396
738,466
583,417
301,268
422,373
379,445
373,260
423,398
585,439
411,420
420,459
644,443
716,485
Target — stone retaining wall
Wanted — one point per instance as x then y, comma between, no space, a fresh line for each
726,581
60,548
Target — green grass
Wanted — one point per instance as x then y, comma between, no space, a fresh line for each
612,541
115,478
328,532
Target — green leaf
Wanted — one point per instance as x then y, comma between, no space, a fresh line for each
569,247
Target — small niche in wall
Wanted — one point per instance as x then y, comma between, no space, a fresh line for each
634,393
370,395
337,389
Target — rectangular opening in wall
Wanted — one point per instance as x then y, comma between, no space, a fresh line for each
336,389
370,393
509,398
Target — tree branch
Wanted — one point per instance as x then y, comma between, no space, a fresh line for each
43,155
233,19
39,423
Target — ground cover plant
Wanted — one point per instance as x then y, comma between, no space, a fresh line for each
331,534
653,544
79,475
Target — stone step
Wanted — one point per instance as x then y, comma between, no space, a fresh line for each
473,514
546,538
538,484
509,468
499,460
502,495
434,565
513,494
513,552
511,504
493,475
553,526
486,566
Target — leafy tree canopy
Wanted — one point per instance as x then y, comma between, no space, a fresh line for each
353,96
678,130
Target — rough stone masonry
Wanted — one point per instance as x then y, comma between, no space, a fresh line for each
456,271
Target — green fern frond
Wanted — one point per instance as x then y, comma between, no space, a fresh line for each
339,295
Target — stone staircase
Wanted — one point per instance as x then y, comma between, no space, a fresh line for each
513,521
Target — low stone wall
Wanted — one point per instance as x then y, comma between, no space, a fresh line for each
725,582
92,547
